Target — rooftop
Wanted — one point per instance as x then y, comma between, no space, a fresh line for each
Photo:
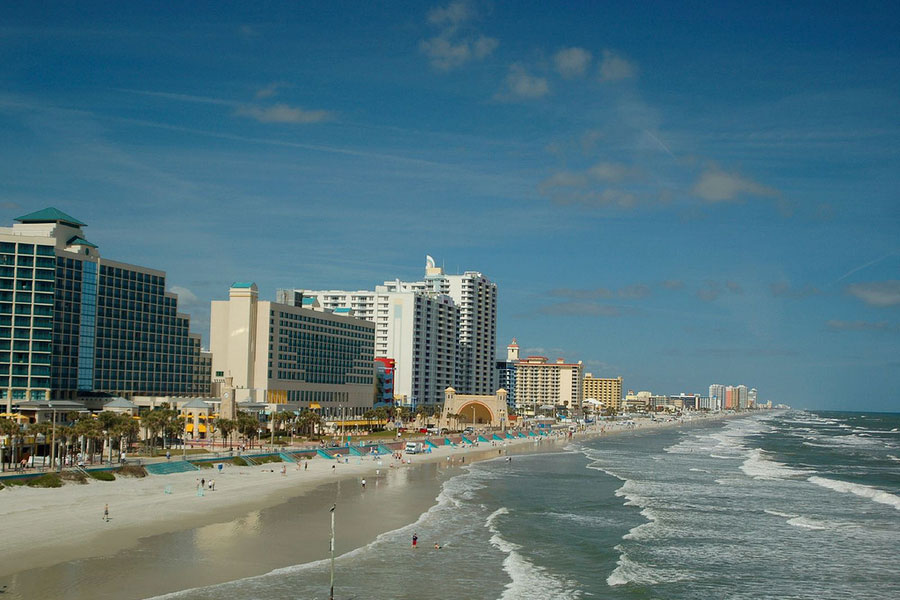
51,215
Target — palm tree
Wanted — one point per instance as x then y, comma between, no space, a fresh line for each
8,428
280,418
126,429
309,421
225,427
247,425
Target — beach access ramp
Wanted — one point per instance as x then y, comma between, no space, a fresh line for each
169,467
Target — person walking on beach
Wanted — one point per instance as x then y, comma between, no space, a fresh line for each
415,540
364,483
306,465
106,512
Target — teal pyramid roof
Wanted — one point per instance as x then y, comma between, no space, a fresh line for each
50,215
80,241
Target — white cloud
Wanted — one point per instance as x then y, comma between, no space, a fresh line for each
185,296
270,90
521,83
608,171
282,113
614,68
446,54
449,49
877,293
572,62
837,325
563,179
716,185
451,15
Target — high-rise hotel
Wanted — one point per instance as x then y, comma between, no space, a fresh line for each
441,331
296,353
75,324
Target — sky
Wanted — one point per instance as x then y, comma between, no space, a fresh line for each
680,194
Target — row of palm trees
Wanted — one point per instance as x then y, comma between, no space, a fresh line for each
83,433
80,434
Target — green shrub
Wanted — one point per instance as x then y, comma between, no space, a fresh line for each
268,459
133,471
47,480
238,461
102,475
203,465
74,476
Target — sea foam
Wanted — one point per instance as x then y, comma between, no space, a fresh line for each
865,491
525,577
630,571
758,466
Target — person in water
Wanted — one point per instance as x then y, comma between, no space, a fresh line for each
415,540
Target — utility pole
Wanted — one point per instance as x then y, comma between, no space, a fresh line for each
331,593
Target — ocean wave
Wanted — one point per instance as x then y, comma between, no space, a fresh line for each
698,470
583,520
731,481
805,523
865,491
758,466
813,445
630,571
631,495
808,523
525,577
594,466
644,531
892,457
775,513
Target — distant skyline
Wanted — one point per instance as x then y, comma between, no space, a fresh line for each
680,194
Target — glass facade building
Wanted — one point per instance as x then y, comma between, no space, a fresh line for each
73,323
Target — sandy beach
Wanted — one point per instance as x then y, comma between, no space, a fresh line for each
163,537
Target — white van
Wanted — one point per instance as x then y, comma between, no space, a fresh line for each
414,448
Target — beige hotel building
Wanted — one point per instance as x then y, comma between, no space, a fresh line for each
542,383
608,390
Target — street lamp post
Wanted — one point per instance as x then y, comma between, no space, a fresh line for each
331,593
272,425
52,436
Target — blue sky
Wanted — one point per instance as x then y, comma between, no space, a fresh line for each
677,193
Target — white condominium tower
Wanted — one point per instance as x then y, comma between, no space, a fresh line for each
716,396
462,306
418,329
476,297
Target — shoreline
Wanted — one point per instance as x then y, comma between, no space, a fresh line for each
143,516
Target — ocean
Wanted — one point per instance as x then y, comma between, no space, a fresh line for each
792,504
